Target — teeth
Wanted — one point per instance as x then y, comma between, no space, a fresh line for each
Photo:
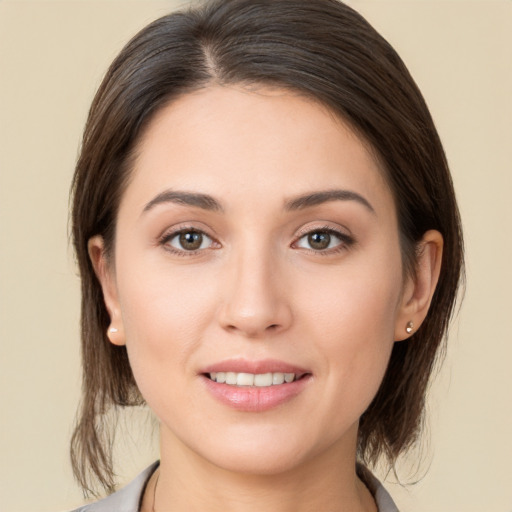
230,378
278,378
244,379
260,380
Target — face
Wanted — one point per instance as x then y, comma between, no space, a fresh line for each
257,280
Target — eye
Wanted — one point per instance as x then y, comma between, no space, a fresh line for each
188,240
322,240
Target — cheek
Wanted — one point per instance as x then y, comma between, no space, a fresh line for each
357,301
164,314
353,320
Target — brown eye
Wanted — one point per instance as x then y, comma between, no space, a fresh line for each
319,240
323,239
190,240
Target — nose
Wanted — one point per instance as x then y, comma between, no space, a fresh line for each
255,300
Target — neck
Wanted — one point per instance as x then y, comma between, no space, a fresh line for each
187,482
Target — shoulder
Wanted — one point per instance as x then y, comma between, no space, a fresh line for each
382,498
126,499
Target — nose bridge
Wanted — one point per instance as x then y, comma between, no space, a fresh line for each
255,301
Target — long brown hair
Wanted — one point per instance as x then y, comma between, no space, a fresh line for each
323,50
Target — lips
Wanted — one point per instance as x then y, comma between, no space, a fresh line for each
254,367
254,386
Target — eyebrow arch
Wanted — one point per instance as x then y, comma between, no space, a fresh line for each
324,196
204,201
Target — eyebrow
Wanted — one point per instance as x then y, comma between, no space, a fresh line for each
204,201
325,196
208,202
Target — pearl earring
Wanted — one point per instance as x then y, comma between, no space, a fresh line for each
113,330
409,327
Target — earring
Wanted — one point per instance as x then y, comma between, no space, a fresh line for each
409,327
113,330
116,335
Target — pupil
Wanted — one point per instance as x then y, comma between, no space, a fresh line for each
319,240
191,240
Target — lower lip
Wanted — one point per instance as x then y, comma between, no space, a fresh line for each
255,399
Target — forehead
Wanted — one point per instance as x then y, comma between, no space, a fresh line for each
269,143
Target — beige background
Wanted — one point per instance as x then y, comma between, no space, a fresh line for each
52,57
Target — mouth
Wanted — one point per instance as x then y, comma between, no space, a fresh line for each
259,380
255,386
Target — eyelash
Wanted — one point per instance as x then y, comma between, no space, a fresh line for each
169,236
345,241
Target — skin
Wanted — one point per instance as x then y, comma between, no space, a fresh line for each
257,289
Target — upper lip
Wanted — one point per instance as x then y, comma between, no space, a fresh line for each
255,367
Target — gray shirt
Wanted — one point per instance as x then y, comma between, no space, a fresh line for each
128,499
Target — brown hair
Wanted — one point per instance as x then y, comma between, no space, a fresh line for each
321,49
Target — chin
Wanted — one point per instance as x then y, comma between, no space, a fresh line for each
263,452
271,463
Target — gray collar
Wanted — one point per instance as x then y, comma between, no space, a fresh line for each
127,499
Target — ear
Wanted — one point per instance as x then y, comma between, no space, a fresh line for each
419,289
105,274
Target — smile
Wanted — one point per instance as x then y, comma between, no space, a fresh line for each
255,386
260,380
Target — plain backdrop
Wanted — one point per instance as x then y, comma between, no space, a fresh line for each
52,58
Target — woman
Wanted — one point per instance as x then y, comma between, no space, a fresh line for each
270,251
